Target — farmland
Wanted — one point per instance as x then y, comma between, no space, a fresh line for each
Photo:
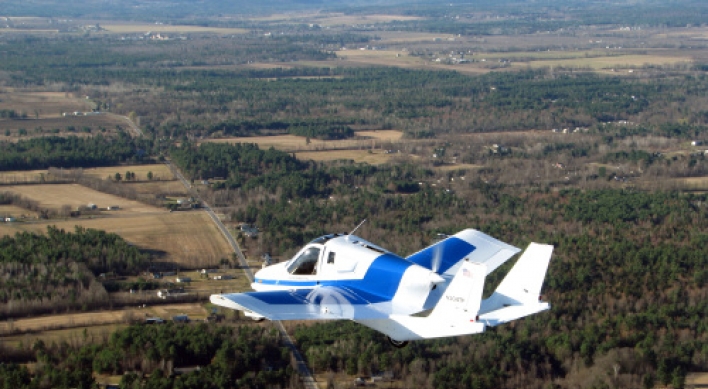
576,124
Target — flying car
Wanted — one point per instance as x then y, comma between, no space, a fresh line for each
436,292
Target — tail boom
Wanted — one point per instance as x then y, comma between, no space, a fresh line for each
454,315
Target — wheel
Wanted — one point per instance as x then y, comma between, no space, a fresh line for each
397,343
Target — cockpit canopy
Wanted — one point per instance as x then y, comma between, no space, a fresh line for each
305,262
321,255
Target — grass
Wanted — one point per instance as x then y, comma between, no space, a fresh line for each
291,143
189,239
55,196
376,157
88,333
159,171
131,28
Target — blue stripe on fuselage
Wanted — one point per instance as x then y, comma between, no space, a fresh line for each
379,284
451,249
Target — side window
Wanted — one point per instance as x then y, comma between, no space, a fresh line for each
306,263
330,258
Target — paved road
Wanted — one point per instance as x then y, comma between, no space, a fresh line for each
307,378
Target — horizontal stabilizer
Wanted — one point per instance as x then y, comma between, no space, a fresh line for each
519,293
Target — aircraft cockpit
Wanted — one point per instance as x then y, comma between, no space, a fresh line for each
305,263
317,258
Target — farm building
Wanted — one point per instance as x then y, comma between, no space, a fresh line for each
165,293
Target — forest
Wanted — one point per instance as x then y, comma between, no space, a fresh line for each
595,163
224,357
71,152
59,270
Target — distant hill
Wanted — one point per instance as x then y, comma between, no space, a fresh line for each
188,9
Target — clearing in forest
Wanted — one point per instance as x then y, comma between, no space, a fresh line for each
56,196
132,28
369,139
375,157
189,239
159,172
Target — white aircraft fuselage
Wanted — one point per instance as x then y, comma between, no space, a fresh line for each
436,292
349,261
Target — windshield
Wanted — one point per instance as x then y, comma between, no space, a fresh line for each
306,262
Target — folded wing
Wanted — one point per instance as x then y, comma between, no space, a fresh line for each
445,257
321,303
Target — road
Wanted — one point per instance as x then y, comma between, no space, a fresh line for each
129,122
307,379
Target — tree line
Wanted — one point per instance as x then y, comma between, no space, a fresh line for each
71,152
146,356
58,270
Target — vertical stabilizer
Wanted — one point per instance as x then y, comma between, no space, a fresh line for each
519,293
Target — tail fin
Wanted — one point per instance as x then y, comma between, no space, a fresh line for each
455,314
519,293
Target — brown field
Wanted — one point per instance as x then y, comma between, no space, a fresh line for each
239,283
90,333
382,57
11,211
375,157
129,28
163,181
189,238
609,62
74,195
47,125
393,37
21,176
101,318
333,18
172,188
338,19
697,380
43,104
692,183
365,139
458,166
159,171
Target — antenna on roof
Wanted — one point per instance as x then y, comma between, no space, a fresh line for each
357,227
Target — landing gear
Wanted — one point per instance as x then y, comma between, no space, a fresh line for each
397,343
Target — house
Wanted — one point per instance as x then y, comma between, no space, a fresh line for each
249,231
165,293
